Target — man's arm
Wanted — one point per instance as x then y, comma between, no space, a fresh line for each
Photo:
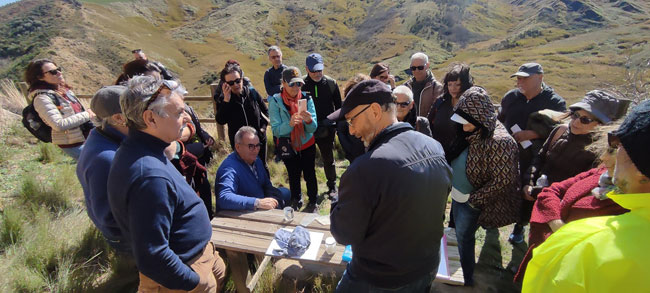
226,191
336,96
151,211
350,216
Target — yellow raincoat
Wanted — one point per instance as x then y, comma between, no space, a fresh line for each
601,254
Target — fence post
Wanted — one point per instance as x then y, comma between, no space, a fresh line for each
220,130
24,89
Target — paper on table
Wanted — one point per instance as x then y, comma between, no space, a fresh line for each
525,143
310,253
324,220
443,268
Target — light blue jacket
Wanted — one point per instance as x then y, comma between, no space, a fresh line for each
280,118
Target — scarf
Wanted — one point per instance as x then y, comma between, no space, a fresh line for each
298,132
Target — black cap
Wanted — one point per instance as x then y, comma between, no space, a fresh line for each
634,134
106,101
603,105
292,74
364,93
528,69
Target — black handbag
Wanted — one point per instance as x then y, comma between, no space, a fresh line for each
283,148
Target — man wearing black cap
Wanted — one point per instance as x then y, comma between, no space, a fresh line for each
605,254
327,99
391,199
530,96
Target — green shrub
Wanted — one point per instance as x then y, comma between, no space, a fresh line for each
11,227
36,194
48,153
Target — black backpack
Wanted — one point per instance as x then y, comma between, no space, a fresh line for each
33,122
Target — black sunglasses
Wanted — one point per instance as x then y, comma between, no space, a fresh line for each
166,84
583,119
233,82
421,67
54,71
316,71
295,83
252,147
403,104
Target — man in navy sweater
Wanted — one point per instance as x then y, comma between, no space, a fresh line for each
161,216
242,182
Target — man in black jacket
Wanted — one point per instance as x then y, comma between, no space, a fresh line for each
327,99
531,95
392,198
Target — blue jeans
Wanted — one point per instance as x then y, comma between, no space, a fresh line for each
466,220
73,152
349,283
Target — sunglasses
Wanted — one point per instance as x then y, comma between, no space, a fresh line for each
316,71
403,105
613,142
349,121
54,71
166,84
295,84
583,119
252,147
421,67
233,82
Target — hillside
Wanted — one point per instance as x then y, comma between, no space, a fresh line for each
584,42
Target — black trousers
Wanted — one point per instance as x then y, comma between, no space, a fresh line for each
326,147
303,163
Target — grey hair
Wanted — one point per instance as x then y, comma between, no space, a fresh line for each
404,90
273,48
239,136
134,100
420,56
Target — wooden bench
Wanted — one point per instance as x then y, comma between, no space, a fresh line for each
242,232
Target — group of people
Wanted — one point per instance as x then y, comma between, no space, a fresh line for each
409,146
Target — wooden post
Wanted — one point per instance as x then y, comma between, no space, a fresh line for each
220,129
24,89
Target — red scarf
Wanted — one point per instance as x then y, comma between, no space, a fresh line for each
63,92
298,131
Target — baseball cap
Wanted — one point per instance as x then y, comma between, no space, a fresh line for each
603,105
106,101
528,69
292,74
314,62
364,93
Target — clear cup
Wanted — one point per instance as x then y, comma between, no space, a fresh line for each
330,245
288,214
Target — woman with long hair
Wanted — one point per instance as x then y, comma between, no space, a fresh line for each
57,106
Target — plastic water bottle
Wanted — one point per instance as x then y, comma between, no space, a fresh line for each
542,181
347,253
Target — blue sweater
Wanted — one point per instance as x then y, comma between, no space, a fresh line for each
161,216
280,118
92,170
236,186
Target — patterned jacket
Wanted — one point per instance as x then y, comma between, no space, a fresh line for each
492,161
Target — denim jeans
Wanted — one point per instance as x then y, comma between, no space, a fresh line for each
466,220
349,283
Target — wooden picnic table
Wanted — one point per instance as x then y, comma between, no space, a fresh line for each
242,232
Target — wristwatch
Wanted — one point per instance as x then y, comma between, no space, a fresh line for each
257,203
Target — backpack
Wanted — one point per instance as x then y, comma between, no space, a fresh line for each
33,122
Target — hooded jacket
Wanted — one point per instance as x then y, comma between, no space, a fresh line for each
492,161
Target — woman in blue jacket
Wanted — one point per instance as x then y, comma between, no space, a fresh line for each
295,125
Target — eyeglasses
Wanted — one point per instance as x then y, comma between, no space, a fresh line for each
355,116
295,84
316,71
583,119
403,104
54,71
233,82
252,146
613,142
166,84
421,67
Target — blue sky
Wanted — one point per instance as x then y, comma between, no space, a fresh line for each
5,2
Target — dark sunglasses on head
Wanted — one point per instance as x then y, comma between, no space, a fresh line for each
54,71
252,147
583,119
233,82
421,67
613,142
166,84
403,105
295,84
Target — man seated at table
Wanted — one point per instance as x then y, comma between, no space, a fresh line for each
242,182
